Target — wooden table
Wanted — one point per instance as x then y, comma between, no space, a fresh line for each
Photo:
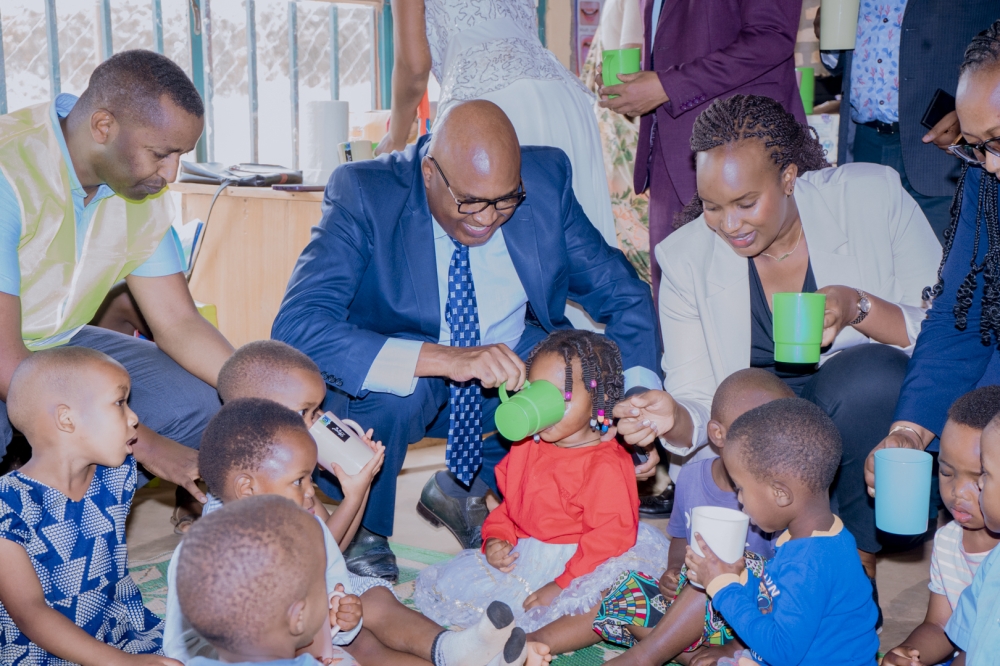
253,240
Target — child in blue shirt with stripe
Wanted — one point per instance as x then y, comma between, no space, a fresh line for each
973,625
812,603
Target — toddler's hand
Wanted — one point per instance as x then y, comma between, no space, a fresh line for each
902,656
499,556
668,583
345,611
358,484
544,596
703,570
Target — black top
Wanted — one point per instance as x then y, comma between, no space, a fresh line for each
762,334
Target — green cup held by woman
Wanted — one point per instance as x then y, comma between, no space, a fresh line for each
619,61
798,327
534,408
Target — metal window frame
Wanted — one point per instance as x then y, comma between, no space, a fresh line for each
199,24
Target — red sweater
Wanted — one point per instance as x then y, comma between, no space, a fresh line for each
586,496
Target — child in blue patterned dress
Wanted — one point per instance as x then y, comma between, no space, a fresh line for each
65,593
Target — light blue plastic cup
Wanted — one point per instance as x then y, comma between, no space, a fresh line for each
902,490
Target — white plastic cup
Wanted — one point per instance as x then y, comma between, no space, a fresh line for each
724,530
838,25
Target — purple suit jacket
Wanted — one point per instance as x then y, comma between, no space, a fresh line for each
707,49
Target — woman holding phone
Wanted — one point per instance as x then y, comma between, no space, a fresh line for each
958,346
772,216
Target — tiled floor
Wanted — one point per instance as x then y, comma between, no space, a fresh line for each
902,578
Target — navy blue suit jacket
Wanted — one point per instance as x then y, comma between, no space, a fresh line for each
369,270
947,362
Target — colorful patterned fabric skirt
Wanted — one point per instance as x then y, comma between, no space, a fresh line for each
634,600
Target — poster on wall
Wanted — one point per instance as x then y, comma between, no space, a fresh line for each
587,18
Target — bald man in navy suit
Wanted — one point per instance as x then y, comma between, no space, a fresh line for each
373,300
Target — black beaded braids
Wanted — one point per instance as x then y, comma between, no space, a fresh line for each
744,117
983,53
601,362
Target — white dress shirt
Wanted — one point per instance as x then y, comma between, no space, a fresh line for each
502,303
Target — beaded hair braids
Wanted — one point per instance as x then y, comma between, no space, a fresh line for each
983,53
743,117
602,369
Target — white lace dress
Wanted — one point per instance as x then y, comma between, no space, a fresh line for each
489,49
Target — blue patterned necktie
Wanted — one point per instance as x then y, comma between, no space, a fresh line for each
465,431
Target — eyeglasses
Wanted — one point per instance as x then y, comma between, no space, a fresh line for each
504,204
975,153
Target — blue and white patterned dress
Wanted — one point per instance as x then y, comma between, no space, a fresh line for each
78,551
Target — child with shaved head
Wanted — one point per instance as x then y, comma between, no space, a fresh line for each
811,603
65,592
255,447
275,371
250,580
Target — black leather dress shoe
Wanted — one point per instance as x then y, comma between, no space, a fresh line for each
463,517
657,506
369,555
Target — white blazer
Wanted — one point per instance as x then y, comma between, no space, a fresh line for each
863,230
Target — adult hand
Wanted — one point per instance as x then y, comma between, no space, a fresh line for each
639,94
645,416
912,436
168,460
703,570
492,365
903,655
841,310
388,144
543,596
499,556
945,132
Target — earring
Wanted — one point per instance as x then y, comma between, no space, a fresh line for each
537,438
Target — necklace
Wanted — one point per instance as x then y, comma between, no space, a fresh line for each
576,446
789,253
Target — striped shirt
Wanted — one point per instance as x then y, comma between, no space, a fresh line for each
952,569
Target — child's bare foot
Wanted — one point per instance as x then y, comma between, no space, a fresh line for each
538,654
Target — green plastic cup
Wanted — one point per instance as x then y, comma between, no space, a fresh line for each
807,87
619,61
532,409
798,327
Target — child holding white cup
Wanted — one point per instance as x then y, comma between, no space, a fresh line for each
812,602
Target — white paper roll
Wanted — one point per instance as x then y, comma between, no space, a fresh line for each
325,126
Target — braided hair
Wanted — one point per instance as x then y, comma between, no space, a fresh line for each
982,53
601,362
744,117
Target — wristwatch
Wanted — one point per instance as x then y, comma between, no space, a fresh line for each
864,307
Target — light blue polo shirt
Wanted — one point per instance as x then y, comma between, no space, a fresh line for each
975,624
166,260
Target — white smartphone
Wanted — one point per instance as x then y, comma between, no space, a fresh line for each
340,442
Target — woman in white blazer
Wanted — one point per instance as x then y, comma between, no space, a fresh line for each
772,216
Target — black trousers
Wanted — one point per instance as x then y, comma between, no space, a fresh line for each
858,388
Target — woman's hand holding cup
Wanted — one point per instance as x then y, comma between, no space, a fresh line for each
841,310
902,435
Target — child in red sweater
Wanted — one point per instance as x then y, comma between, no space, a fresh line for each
569,522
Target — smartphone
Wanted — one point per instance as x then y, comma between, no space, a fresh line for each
299,188
941,105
